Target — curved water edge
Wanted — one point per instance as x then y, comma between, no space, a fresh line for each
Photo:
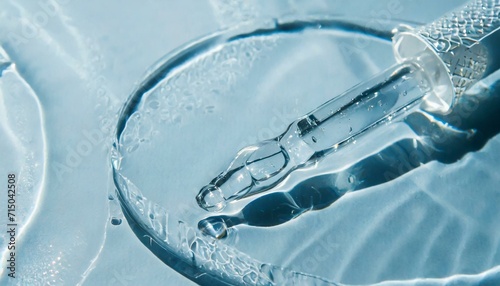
23,123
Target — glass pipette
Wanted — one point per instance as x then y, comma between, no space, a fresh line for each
436,64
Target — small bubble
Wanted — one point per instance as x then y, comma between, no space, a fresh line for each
351,179
209,109
176,119
164,115
314,139
133,148
110,197
350,129
151,216
154,104
116,221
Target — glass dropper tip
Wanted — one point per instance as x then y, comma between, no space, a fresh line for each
260,167
211,198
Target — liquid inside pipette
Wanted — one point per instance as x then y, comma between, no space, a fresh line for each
262,166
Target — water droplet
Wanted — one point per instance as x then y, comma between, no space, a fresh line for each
213,226
116,221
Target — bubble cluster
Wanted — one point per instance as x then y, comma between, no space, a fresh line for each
209,255
193,90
